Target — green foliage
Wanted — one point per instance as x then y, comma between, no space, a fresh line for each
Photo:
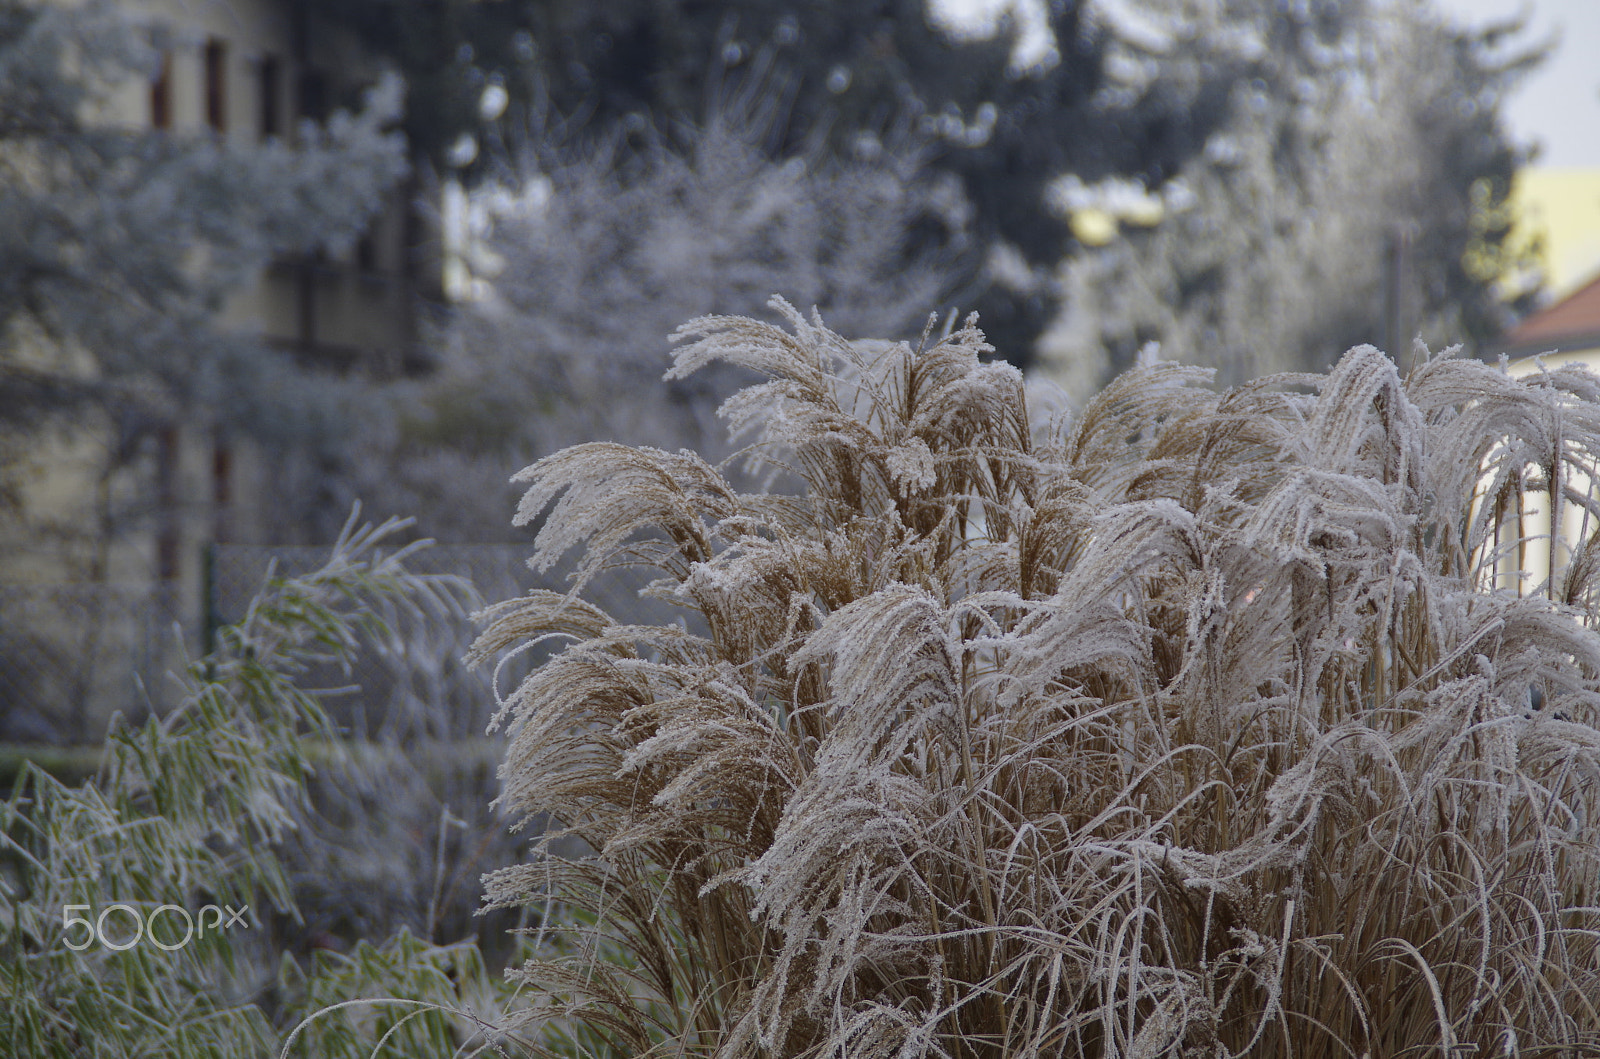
1201,724
187,810
405,997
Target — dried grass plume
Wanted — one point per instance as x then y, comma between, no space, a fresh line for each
1196,724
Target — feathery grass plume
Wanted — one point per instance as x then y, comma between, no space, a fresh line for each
1202,723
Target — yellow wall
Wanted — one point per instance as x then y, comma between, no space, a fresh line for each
1561,206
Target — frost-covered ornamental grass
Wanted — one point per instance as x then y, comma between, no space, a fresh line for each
1190,725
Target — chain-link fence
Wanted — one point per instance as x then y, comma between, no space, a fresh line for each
73,654
411,686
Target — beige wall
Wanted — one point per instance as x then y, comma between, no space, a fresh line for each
250,31
354,311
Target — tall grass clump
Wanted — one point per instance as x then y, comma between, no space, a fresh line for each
1197,723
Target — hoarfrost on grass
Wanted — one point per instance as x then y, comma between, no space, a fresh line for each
1195,721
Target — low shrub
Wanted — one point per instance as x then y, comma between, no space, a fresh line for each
135,906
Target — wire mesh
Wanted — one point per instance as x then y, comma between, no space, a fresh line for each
73,654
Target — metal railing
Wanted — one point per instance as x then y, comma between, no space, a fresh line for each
73,654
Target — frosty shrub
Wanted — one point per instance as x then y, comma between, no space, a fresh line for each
591,255
1192,725
189,810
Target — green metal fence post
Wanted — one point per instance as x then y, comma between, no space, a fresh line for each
209,620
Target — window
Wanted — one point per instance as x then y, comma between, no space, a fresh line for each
161,96
313,95
216,69
270,76
411,236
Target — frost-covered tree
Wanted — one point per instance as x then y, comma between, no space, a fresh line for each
120,244
1356,133
582,260
1006,111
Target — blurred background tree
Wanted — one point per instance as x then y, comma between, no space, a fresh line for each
121,246
1004,113
1243,115
583,259
1357,192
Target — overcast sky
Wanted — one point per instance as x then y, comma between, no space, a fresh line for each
1559,105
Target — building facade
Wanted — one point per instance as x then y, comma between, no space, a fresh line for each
83,603
251,71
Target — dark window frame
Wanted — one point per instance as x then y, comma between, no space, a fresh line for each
161,95
269,83
216,84
311,94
